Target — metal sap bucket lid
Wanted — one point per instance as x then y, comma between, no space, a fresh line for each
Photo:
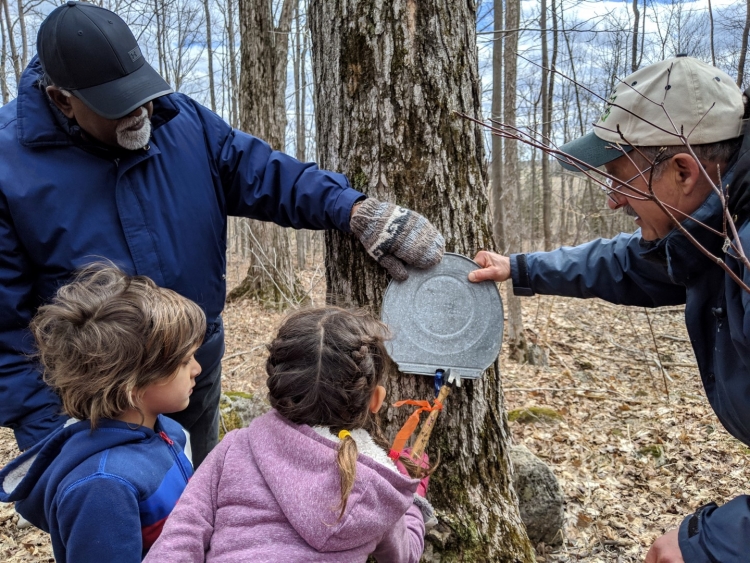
441,320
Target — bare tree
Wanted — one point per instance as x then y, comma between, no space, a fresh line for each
209,46
4,90
14,56
743,48
547,94
265,50
387,77
516,338
300,101
634,51
496,142
711,36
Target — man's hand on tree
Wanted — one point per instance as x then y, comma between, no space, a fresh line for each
494,267
665,549
395,235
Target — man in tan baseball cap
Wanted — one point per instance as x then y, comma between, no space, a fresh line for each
672,131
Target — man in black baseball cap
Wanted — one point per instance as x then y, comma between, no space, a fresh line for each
91,53
100,159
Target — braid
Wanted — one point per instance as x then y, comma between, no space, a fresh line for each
347,462
323,368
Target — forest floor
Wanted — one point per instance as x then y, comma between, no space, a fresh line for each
632,461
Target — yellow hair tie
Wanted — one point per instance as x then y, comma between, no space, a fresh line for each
343,434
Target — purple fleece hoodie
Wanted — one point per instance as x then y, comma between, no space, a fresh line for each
269,492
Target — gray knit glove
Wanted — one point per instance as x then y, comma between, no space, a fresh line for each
394,235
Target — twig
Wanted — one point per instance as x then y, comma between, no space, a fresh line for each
658,355
676,338
250,351
624,361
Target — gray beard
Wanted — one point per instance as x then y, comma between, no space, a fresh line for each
134,140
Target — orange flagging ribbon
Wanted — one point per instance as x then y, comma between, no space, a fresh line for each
411,423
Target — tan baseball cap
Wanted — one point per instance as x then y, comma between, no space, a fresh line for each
654,104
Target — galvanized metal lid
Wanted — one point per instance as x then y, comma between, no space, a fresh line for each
441,320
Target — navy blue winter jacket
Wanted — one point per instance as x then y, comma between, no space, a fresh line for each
672,271
102,495
160,212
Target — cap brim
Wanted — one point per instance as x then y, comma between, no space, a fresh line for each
591,151
117,98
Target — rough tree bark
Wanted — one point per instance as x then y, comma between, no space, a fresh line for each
264,52
388,74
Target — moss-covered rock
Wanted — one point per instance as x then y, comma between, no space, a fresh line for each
237,410
531,414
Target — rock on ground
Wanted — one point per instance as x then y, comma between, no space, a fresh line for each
540,498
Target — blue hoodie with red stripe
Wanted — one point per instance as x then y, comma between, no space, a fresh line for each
103,495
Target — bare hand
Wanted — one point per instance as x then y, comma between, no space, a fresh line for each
665,549
494,267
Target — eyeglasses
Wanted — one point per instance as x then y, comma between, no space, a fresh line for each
608,188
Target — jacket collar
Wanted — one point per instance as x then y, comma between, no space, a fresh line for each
41,124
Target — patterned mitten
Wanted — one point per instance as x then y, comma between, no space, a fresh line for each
394,235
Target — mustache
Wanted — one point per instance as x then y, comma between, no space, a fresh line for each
628,210
128,122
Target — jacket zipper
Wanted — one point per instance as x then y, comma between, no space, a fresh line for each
170,444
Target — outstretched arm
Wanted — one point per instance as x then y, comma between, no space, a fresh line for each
268,185
611,269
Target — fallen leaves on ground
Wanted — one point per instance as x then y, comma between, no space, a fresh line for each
632,461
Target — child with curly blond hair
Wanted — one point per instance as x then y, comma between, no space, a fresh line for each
118,350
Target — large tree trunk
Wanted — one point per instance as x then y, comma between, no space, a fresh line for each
264,51
388,76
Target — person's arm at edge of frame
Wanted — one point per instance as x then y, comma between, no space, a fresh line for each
187,533
713,533
27,404
611,269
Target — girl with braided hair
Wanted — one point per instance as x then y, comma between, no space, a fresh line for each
310,480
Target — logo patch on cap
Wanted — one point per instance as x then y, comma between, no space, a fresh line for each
608,109
135,54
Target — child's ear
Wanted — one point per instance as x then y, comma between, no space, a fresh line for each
377,398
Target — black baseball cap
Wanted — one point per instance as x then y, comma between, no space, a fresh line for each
91,52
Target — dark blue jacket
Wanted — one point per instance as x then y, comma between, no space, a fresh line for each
629,271
160,211
102,495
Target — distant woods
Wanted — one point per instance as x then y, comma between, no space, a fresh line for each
250,61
